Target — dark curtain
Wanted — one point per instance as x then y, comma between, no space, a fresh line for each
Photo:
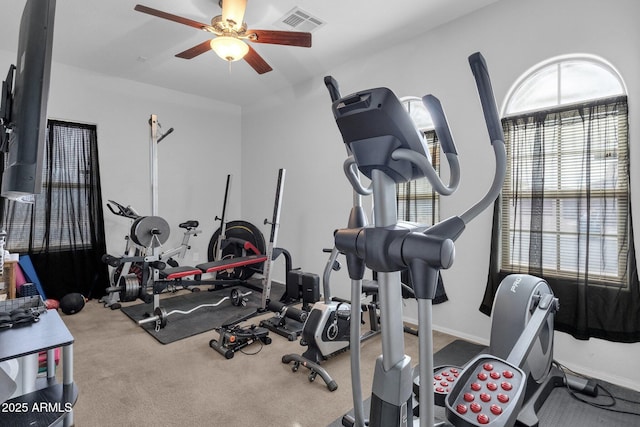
578,238
418,202
63,230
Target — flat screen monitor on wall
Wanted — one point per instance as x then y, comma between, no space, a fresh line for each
24,106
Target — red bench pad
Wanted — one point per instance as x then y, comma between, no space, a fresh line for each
213,266
172,273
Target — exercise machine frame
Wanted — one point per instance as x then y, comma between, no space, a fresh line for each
390,152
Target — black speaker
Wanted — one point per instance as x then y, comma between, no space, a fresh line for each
72,303
310,288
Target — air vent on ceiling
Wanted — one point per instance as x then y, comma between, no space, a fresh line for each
299,20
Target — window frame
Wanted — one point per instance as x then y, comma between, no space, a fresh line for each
506,253
34,234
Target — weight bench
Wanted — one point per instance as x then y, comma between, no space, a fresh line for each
173,273
176,274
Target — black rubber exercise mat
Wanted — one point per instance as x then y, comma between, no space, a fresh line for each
204,319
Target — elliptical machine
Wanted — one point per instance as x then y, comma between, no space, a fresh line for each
387,149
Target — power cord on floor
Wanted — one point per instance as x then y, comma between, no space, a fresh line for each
607,406
256,339
248,333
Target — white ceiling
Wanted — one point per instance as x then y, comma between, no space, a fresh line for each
109,37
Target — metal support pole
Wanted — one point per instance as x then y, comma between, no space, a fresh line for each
275,225
425,350
67,380
153,122
389,284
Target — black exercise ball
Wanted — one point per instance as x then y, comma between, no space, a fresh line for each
72,303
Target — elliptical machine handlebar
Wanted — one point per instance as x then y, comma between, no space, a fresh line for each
434,246
332,87
494,127
485,90
433,105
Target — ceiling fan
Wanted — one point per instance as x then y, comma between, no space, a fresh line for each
231,32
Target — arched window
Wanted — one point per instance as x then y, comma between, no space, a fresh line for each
564,209
563,81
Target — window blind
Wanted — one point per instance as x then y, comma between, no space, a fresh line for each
565,206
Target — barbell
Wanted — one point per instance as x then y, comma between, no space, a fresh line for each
160,314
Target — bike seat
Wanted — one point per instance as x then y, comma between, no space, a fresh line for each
189,224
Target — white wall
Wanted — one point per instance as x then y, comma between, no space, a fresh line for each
193,161
295,130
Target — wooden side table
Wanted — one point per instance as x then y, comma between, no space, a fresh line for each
9,277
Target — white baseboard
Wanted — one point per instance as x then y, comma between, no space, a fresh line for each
461,335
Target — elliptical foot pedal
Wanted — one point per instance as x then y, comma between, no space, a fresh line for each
444,378
489,391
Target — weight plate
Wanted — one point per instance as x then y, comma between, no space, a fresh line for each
237,231
236,298
149,231
129,287
135,268
162,315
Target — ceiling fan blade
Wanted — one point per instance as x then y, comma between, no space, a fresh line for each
233,12
203,47
174,18
256,62
289,38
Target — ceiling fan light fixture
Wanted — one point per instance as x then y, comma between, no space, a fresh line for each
229,48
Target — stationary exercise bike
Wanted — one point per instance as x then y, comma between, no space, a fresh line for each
327,328
130,273
387,149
